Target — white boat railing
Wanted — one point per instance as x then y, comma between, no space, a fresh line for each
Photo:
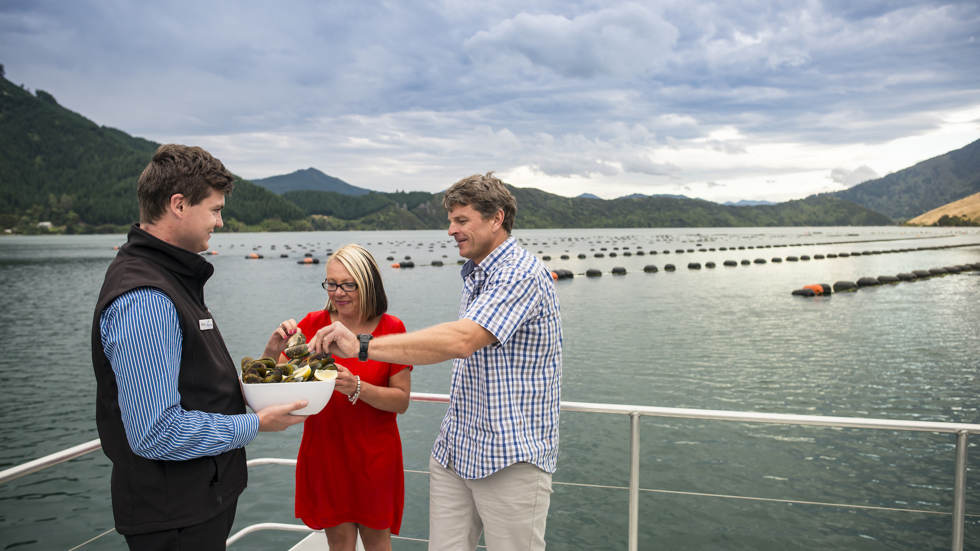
961,430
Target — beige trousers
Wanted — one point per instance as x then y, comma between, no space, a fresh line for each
510,507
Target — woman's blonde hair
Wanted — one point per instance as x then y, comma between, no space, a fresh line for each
364,270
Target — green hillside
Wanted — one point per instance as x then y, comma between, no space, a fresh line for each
920,188
58,166
539,209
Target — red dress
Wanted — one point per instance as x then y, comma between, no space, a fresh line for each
349,467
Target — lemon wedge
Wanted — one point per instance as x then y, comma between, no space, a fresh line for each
301,373
325,374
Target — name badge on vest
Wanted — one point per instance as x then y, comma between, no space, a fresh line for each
206,324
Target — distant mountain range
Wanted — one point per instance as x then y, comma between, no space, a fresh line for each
57,166
310,179
742,203
747,203
922,187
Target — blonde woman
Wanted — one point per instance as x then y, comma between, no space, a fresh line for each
349,477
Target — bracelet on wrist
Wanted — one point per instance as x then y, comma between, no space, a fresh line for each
357,392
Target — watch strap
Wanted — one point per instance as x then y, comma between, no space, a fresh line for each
364,339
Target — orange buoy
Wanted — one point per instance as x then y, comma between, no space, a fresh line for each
115,248
817,289
213,252
396,265
254,255
554,276
307,260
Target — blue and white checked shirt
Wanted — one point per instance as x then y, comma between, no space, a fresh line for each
142,339
504,399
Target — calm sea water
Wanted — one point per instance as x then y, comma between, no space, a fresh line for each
722,338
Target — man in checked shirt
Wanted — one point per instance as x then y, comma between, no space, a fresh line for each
492,462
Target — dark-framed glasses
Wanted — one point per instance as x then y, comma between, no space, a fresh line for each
349,287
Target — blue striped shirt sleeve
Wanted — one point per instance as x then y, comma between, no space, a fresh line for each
142,339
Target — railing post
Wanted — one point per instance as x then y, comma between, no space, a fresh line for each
634,481
959,490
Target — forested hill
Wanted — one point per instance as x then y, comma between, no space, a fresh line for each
308,179
58,166
539,209
922,187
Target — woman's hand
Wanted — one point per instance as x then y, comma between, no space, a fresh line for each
346,383
277,342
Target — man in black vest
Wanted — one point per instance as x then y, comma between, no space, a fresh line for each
169,409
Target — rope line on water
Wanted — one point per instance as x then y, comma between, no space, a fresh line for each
93,539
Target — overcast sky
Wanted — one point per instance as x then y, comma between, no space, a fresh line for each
728,100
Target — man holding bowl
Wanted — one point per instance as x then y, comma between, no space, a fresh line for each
170,410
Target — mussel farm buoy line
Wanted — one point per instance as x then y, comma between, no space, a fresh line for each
693,265
850,286
650,269
844,286
669,267
592,272
868,282
619,270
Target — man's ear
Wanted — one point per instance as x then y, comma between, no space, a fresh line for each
498,218
177,204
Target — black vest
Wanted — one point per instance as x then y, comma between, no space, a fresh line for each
152,495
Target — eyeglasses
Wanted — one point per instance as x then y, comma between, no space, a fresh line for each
349,287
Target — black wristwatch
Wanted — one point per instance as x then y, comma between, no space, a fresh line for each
365,339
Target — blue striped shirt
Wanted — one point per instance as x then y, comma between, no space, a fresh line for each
505,398
142,338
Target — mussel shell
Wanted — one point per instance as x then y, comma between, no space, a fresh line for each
269,362
298,351
258,366
245,361
296,340
287,369
251,376
273,375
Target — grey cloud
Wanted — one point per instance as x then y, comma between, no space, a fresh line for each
851,178
644,165
619,41
435,90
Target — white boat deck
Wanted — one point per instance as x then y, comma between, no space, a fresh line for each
318,542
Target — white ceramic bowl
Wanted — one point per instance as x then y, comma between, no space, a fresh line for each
262,395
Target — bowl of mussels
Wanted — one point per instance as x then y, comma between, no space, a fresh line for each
304,376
